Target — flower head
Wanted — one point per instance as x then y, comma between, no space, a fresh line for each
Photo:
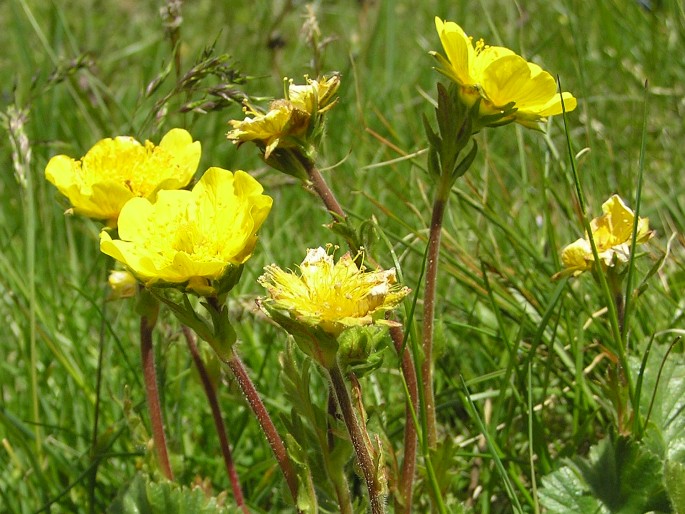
289,122
612,233
115,170
500,79
316,96
195,238
332,296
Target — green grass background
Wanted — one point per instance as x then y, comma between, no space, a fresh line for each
518,339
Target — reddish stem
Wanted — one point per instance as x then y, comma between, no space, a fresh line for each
327,196
406,483
428,318
358,437
150,378
210,392
265,422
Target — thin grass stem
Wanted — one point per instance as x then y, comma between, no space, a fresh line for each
610,298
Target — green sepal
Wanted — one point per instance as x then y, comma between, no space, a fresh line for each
456,127
313,341
291,161
357,235
228,280
219,333
147,306
358,351
224,336
504,117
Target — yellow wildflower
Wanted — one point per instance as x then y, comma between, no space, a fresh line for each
115,170
612,233
317,96
288,122
191,237
277,128
498,77
332,296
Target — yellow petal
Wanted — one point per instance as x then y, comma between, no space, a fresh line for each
458,48
577,257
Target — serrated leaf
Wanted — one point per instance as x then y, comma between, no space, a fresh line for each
564,492
674,478
143,496
625,476
306,496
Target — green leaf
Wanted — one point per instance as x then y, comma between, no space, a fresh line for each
143,496
625,476
564,492
621,475
306,495
674,478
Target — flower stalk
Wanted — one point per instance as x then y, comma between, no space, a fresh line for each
432,257
406,479
266,424
324,192
210,392
359,438
147,323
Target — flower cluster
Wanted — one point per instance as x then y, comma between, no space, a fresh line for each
508,87
115,170
612,234
289,122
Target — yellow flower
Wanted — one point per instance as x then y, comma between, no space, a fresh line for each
332,296
277,128
499,78
612,233
191,237
317,96
290,121
115,170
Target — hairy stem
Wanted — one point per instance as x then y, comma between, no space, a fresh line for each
429,315
264,420
358,440
210,392
150,377
327,196
336,473
406,482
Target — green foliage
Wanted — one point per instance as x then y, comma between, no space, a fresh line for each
674,478
620,476
143,496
